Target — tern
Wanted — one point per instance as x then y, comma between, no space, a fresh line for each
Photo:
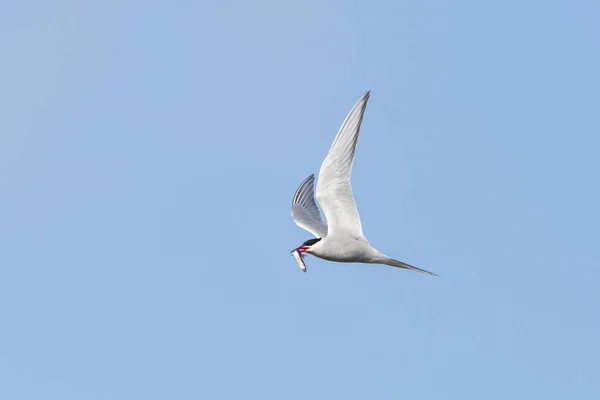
341,238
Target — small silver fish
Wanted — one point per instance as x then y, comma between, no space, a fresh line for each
300,260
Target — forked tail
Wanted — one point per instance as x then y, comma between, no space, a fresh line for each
400,264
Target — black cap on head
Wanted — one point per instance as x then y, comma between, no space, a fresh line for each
310,242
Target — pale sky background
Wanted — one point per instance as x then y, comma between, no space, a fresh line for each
149,152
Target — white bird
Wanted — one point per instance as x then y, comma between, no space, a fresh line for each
341,238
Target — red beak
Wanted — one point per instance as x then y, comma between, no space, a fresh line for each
301,249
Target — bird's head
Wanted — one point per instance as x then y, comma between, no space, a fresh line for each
307,246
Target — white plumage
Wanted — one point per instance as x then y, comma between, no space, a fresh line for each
341,238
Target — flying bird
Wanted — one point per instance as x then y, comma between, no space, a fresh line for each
341,238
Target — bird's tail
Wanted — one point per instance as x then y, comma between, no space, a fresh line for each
400,264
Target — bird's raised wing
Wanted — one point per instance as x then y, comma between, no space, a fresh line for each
334,191
305,211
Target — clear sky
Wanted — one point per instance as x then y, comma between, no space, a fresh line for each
149,152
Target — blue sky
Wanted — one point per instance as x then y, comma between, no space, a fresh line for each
149,153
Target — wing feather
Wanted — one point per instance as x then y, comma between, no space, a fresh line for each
305,211
334,191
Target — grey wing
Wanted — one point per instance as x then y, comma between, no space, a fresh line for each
334,190
305,211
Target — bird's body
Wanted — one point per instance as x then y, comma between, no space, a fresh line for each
344,249
340,239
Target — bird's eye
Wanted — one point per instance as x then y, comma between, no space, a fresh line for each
310,242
